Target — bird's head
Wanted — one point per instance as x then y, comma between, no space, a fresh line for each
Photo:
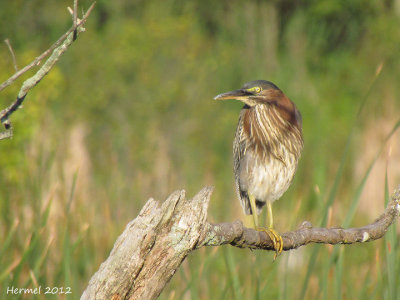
265,92
254,92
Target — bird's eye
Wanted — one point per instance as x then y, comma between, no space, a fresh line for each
255,89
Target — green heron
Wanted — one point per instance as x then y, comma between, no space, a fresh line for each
266,149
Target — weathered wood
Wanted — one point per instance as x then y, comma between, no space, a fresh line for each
151,248
153,245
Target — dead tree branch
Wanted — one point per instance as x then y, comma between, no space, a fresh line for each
153,245
12,54
58,49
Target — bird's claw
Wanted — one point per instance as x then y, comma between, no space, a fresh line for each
276,239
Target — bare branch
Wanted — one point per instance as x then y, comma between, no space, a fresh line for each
38,59
75,18
237,235
47,66
153,245
12,54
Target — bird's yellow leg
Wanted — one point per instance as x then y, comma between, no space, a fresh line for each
275,236
253,210
269,214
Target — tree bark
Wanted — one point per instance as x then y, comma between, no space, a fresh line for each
151,248
154,244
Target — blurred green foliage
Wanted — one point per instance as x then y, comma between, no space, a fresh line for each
127,114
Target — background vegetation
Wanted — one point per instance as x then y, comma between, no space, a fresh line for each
127,114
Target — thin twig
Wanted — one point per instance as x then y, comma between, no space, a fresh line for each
38,59
75,18
12,54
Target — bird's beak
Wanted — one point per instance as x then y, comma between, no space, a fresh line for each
236,95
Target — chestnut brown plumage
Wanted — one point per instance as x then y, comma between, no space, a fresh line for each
266,149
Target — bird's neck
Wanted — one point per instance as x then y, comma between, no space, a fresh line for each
268,126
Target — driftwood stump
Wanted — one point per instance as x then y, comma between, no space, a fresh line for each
154,244
150,250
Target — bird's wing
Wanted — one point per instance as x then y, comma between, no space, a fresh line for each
239,149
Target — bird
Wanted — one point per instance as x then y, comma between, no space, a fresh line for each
266,149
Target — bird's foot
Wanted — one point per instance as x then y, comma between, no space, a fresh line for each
276,239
